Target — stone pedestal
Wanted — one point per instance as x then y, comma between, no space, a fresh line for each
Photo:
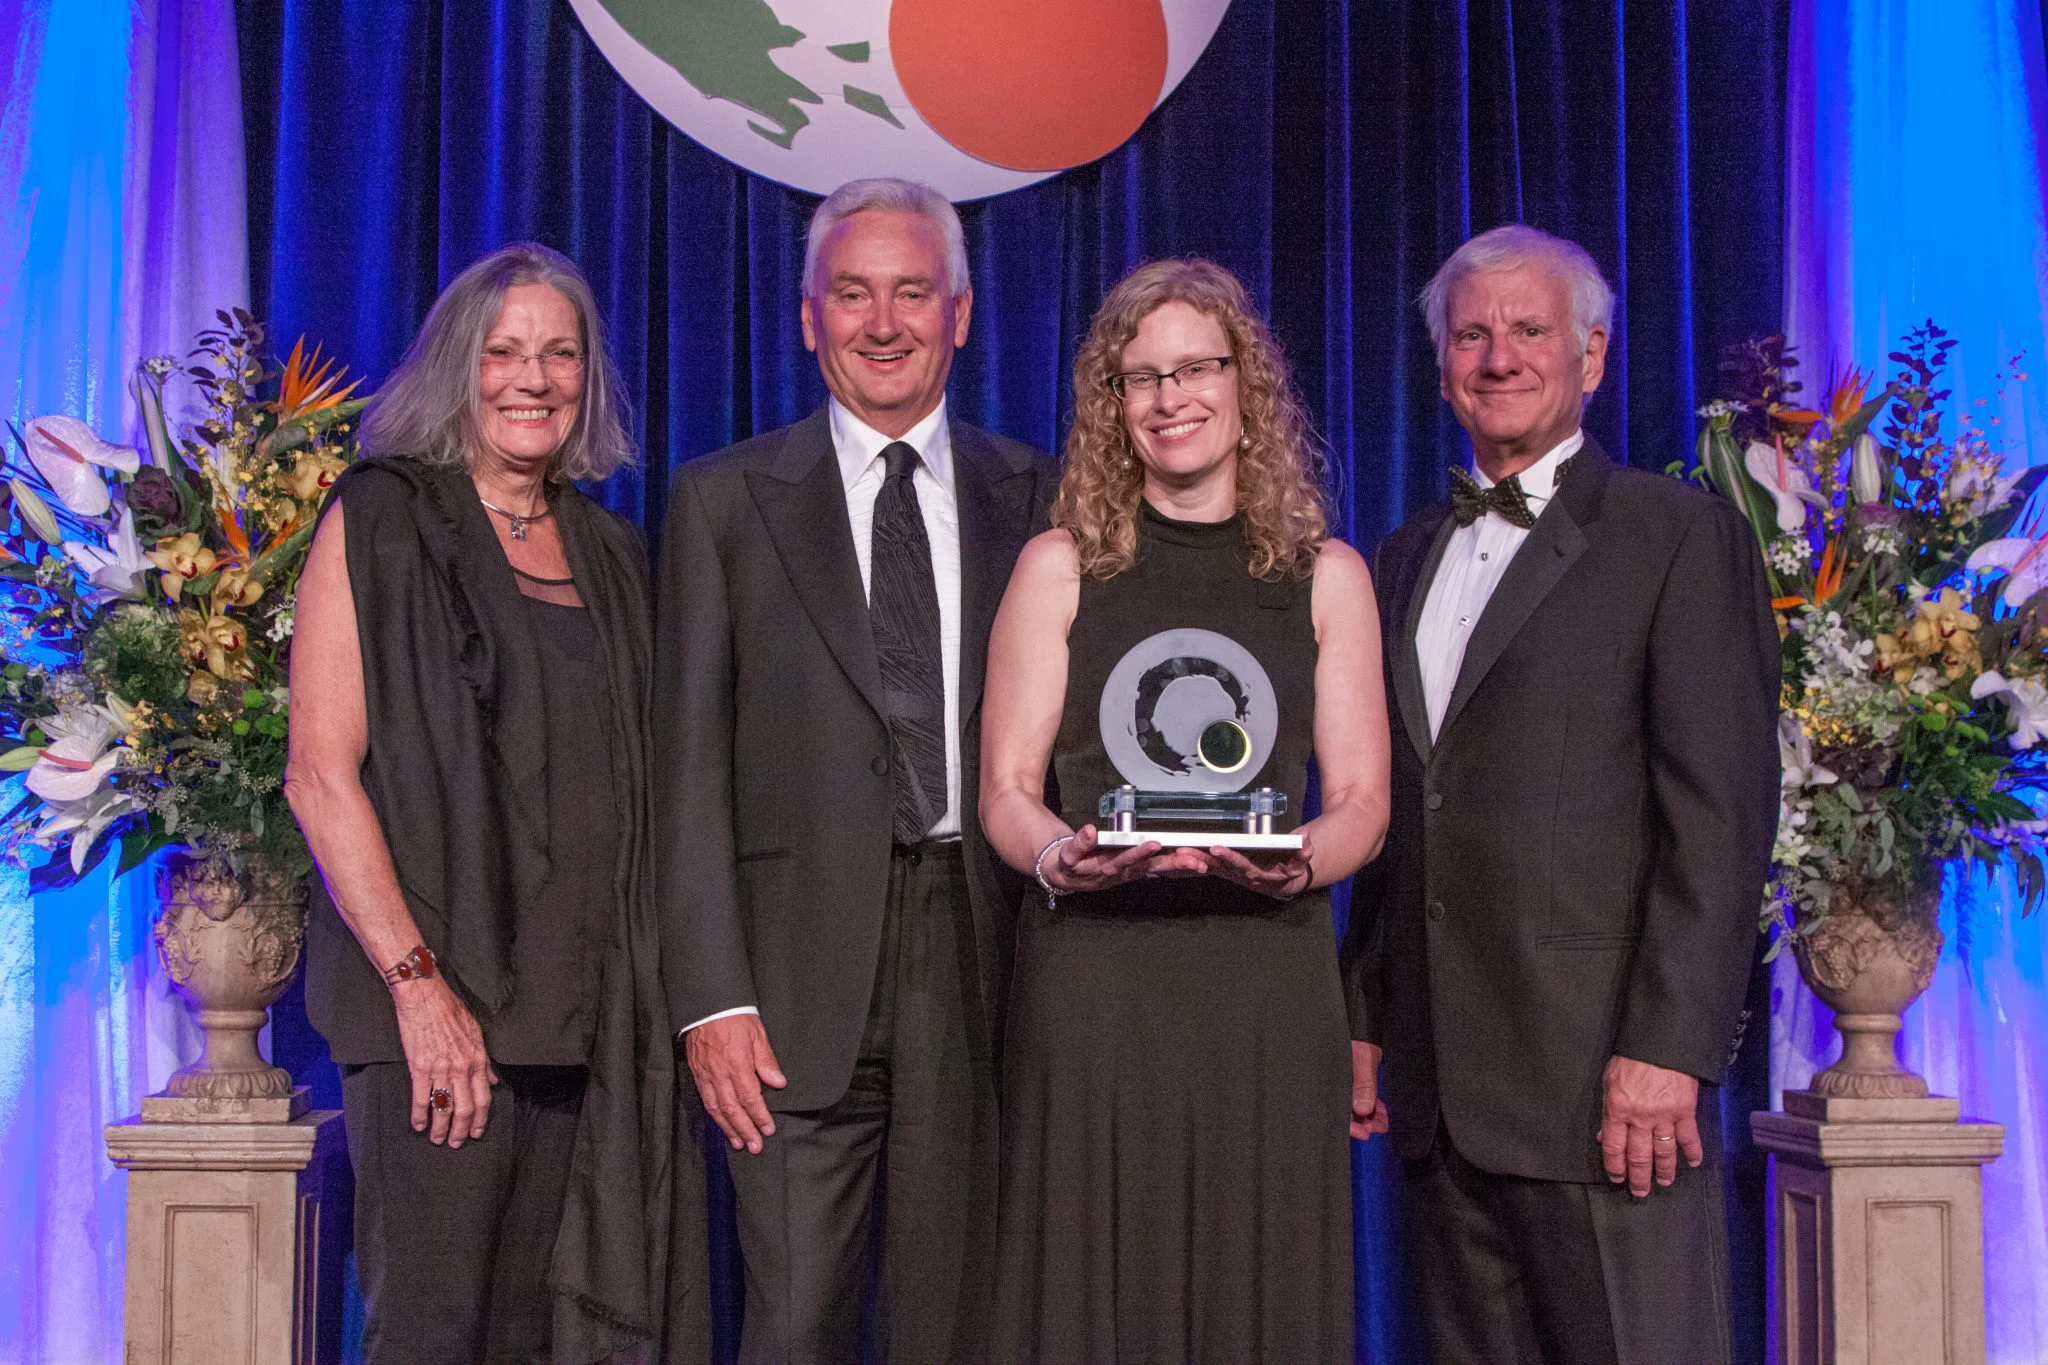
1877,1236
224,1237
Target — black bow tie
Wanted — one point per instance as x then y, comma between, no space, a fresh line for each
1470,502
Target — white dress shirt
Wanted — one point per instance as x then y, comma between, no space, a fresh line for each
1475,558
861,467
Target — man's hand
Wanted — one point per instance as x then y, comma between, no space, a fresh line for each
730,1058
1368,1110
1647,1118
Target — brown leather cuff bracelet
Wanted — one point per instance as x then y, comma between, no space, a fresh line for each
416,965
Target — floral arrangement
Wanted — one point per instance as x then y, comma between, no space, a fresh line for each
1915,656
151,611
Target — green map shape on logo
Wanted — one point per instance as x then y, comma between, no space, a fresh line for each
721,47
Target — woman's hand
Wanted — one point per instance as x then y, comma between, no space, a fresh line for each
1277,873
444,1050
1081,864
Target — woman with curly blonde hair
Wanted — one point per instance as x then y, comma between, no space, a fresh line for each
1176,1172
1279,465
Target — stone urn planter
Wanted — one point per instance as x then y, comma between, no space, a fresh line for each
1870,958
230,945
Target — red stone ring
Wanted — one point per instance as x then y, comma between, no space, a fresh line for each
439,1099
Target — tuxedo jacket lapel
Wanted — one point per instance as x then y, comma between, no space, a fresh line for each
995,518
1554,545
802,502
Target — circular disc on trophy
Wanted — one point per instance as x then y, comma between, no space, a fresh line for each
1191,711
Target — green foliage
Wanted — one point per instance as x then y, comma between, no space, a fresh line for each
134,655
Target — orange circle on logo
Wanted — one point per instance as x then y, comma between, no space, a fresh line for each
1036,85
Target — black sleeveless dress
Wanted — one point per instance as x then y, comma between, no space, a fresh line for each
1176,1168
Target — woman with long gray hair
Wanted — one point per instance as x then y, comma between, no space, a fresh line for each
469,760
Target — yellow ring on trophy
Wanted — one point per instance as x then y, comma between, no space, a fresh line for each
1224,747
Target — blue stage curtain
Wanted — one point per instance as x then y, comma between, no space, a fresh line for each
1331,153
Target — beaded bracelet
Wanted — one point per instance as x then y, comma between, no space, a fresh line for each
1052,893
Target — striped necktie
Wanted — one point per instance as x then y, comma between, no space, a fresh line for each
903,606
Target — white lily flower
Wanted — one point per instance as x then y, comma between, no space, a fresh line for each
2020,557
35,513
1790,487
84,819
2026,698
1976,487
1796,768
1866,470
80,755
69,456
119,569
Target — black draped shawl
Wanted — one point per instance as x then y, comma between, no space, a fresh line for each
456,771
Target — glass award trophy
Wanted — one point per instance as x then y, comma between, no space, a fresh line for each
1189,719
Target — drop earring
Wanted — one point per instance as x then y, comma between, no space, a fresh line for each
1244,443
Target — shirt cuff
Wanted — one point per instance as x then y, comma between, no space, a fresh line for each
722,1014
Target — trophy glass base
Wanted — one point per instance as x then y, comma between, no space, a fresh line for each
1196,838
1235,819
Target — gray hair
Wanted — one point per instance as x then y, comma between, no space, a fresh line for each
427,407
896,196
1505,248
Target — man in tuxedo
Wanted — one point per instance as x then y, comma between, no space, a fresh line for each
1553,949
837,930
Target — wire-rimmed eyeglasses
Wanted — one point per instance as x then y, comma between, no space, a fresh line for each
557,362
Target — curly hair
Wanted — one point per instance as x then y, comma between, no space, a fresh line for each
1281,474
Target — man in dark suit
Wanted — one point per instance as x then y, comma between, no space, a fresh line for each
837,928
1553,949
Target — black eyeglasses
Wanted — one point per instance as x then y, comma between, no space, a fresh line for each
1193,377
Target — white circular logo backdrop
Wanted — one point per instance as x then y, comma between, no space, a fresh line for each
973,97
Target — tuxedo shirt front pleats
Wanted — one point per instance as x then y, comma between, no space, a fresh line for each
1475,559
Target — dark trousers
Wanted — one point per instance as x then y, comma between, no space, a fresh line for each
919,1116
1510,1270
452,1245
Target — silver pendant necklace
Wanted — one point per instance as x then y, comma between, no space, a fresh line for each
517,519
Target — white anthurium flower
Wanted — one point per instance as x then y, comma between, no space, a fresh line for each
2027,700
80,754
2025,560
119,569
1796,768
84,819
69,456
1790,487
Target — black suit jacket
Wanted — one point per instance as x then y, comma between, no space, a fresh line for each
1573,867
774,797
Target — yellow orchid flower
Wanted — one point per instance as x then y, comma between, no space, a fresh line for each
235,588
181,558
219,642
313,473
